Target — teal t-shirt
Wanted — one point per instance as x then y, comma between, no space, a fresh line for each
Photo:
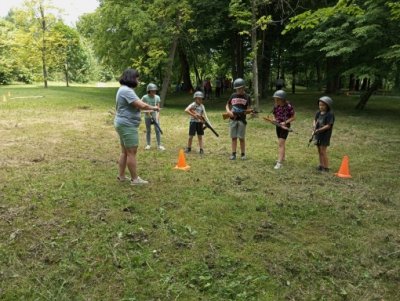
126,113
153,101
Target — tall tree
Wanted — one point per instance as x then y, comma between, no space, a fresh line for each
248,21
147,41
357,34
7,59
34,23
70,55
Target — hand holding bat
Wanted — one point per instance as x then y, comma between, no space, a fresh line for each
312,137
208,125
248,111
276,123
154,121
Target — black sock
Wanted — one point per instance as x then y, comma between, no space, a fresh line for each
242,154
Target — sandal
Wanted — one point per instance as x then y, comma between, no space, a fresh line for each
123,179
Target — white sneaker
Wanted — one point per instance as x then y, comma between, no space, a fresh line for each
139,181
278,165
147,147
161,148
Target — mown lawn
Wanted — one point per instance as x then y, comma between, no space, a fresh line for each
222,231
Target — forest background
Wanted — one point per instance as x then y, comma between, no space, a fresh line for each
329,46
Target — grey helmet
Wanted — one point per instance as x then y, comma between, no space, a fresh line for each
198,94
151,87
238,83
326,100
280,94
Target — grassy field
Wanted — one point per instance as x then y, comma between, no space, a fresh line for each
225,230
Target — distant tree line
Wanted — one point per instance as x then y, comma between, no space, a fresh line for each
36,45
330,45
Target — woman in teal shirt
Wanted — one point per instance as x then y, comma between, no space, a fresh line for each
126,123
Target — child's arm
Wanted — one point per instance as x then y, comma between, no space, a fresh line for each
192,112
324,128
228,110
289,120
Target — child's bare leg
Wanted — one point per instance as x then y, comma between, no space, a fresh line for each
324,157
189,145
242,145
200,137
320,156
281,149
234,145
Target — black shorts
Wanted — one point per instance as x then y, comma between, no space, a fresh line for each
323,139
196,127
281,133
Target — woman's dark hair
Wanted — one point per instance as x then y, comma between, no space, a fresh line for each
129,78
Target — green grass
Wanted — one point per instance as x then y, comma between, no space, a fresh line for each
222,231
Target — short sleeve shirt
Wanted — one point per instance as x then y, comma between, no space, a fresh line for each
239,103
324,119
283,113
153,101
126,113
198,108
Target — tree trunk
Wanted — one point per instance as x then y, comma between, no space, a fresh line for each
255,53
294,71
352,82
319,76
265,66
66,74
397,77
278,60
187,82
238,57
44,66
332,73
199,80
364,97
168,71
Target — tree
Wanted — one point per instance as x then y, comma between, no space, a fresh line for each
7,60
146,42
354,37
249,22
69,55
34,24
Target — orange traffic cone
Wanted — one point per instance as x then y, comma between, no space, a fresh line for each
182,162
344,168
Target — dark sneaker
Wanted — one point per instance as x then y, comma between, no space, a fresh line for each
188,150
201,151
232,157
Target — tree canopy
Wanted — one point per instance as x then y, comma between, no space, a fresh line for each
344,45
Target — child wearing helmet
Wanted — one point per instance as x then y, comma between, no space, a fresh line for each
283,113
152,99
237,108
323,126
197,113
